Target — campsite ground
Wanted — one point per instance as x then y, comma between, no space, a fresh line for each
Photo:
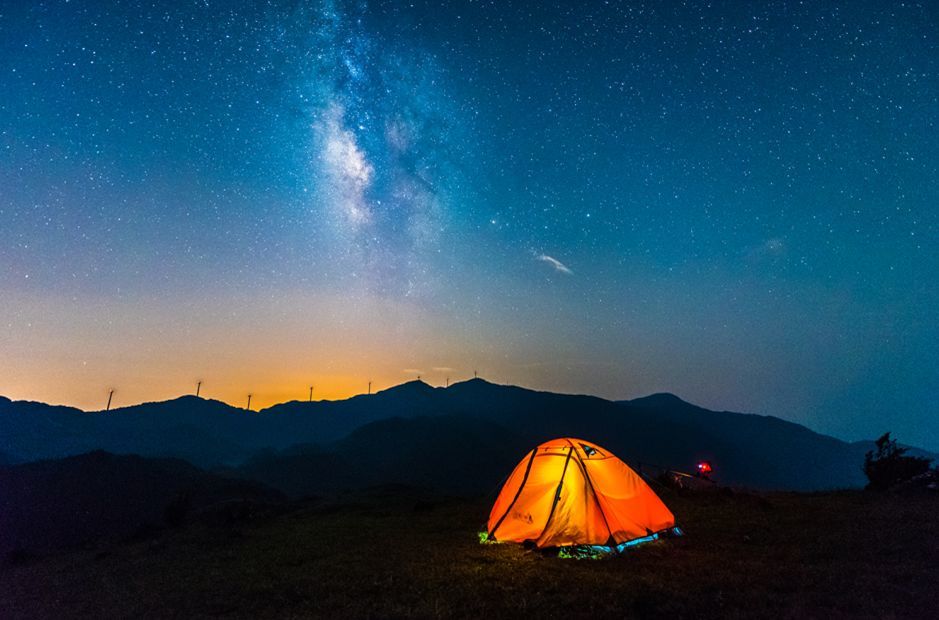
394,554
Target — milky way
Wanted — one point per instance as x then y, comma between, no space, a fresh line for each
381,129
735,203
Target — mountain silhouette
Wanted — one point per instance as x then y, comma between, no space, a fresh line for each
54,504
454,454
464,436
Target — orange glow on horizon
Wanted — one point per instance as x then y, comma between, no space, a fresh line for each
263,395
158,349
73,350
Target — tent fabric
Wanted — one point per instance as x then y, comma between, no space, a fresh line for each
573,492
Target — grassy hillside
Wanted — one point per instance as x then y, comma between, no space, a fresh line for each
50,505
847,554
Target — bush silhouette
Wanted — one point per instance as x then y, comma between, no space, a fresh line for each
889,465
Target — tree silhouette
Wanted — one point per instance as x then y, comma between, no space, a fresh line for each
889,465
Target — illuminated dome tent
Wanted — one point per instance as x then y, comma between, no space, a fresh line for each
569,492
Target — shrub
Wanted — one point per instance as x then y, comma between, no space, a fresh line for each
889,465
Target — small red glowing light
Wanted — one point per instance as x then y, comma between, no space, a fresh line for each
704,467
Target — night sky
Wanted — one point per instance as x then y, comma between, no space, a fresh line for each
738,204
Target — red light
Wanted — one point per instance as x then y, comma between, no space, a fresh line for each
704,467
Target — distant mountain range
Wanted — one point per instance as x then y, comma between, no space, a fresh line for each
463,438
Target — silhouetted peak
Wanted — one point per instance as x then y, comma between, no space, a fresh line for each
661,399
481,388
94,455
187,402
189,398
416,386
101,457
477,382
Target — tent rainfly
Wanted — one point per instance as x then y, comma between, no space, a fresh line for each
570,492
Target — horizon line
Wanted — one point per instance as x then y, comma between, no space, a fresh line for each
331,400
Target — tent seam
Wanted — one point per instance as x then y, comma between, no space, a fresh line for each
557,493
518,494
596,498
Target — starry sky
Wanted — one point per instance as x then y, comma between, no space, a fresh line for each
734,202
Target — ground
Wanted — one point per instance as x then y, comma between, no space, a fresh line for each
845,554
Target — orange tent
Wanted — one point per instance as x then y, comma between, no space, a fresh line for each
572,492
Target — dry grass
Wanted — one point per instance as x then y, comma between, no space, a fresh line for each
781,555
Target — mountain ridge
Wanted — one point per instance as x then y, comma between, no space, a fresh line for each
663,429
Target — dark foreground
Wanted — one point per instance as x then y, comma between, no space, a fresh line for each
845,554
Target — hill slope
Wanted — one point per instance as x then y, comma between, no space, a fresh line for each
50,505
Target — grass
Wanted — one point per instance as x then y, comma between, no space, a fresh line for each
846,554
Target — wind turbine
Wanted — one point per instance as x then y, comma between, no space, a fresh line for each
311,393
198,387
110,395
249,402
